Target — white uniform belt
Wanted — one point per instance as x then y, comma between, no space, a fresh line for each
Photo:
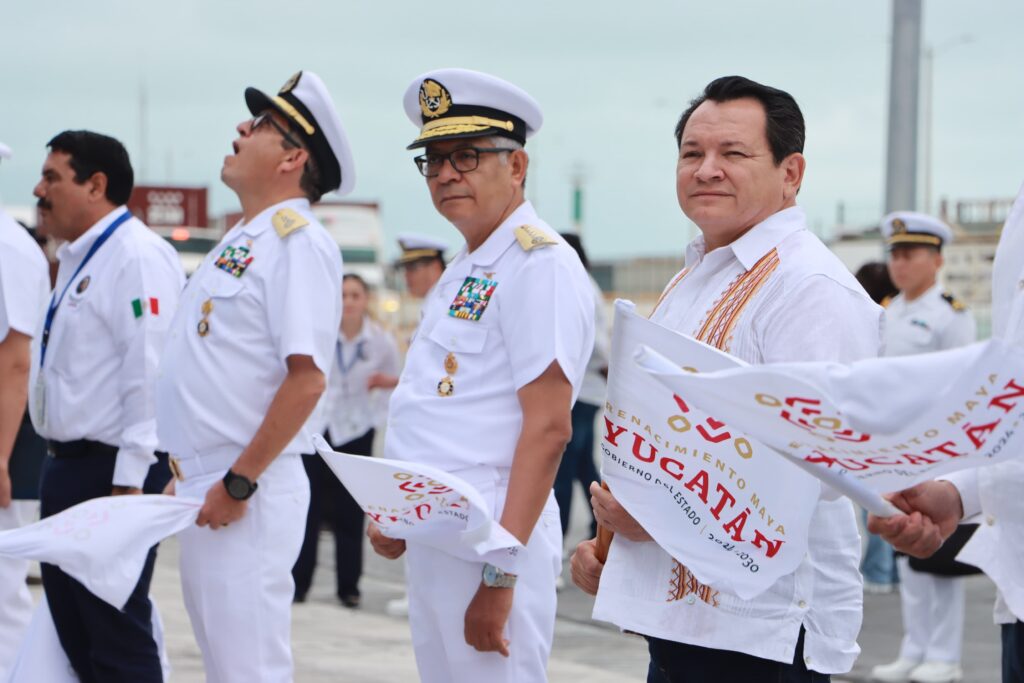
184,467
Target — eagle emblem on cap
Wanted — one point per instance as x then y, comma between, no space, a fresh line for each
898,226
435,99
290,84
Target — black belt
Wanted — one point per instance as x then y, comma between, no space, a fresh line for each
80,448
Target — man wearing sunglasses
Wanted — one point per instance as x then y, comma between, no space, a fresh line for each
489,382
250,346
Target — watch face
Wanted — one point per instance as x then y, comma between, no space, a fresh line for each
490,575
238,488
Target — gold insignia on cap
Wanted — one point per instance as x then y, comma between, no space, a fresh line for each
286,221
531,238
435,100
898,226
290,84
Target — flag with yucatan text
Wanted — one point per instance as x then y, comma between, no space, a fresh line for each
733,514
875,426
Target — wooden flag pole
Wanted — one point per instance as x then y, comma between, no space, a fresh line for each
604,538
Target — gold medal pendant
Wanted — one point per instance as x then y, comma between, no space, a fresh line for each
451,364
446,386
203,328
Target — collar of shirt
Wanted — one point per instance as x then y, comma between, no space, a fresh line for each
76,250
754,243
496,244
929,295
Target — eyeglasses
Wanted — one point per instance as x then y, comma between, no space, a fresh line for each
462,160
265,117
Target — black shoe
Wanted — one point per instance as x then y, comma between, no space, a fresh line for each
352,600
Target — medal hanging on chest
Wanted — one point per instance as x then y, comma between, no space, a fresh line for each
203,328
446,387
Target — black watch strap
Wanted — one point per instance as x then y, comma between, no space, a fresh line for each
239,487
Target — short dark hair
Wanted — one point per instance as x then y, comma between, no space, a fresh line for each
93,153
874,278
785,122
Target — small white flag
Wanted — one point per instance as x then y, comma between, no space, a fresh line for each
103,542
423,504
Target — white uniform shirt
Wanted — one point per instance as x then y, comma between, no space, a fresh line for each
928,323
995,491
809,308
24,280
595,386
105,344
270,297
349,408
540,311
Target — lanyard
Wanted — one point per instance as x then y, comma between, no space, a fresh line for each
51,312
356,357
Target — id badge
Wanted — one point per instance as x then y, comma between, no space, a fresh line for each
39,405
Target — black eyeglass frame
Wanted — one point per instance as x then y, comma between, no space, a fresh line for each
266,117
421,161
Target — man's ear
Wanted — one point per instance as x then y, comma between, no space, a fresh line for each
793,166
519,160
294,158
97,186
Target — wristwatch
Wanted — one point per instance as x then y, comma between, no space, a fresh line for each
239,487
496,578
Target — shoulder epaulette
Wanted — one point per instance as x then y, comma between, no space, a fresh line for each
884,303
286,221
954,302
531,238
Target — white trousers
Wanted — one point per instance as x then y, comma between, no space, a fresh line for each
15,600
440,589
933,615
237,581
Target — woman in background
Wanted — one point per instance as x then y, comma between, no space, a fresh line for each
354,403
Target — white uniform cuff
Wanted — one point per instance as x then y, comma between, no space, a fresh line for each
131,468
966,483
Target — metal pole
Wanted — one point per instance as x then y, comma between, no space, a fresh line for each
904,83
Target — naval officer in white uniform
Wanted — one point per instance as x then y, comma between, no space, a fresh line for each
24,284
489,381
249,349
923,318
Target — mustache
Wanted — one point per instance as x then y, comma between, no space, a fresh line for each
44,204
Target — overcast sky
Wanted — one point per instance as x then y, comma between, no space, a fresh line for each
612,78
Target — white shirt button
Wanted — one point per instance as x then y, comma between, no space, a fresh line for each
690,600
990,520
802,604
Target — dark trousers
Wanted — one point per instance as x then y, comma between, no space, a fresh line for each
1013,652
103,643
330,502
680,663
577,463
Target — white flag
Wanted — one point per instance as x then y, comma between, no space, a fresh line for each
103,542
711,496
875,426
420,503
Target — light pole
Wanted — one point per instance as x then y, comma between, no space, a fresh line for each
929,109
